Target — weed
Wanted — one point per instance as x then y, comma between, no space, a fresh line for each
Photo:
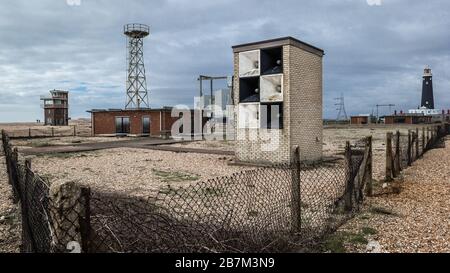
369,231
335,243
381,210
357,239
169,176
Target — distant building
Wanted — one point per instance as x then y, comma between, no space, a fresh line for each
56,108
135,122
427,105
425,111
408,119
361,120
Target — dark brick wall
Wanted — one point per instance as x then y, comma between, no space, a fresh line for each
58,116
103,123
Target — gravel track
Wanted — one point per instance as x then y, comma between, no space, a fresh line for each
417,220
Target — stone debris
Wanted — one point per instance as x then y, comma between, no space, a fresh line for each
373,247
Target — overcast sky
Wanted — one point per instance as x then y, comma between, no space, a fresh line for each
374,53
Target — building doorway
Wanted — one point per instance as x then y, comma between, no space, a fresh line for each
122,125
146,125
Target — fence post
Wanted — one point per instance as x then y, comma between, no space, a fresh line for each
350,178
398,159
417,144
368,172
296,205
28,240
423,140
389,157
70,217
409,148
74,130
15,183
53,132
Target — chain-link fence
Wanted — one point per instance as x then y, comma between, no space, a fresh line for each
52,218
269,209
402,150
44,132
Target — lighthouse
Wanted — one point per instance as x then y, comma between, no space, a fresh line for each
427,89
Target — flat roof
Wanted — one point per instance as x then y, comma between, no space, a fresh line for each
130,110
407,115
279,42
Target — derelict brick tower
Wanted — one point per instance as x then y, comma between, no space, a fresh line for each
278,98
56,108
427,89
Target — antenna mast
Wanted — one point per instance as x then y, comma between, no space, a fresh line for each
137,95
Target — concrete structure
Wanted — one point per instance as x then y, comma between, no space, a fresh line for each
143,122
278,99
56,108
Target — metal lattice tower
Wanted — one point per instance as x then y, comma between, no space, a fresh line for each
137,94
342,114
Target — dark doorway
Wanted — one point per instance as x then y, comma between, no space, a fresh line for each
146,125
122,125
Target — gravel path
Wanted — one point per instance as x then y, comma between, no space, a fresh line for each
9,215
138,172
417,220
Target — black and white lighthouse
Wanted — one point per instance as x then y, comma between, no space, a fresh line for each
427,89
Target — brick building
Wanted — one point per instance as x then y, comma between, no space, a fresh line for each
56,108
135,122
408,119
278,98
361,120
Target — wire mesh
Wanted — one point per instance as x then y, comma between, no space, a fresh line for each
268,209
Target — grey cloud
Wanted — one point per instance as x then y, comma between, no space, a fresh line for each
374,54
